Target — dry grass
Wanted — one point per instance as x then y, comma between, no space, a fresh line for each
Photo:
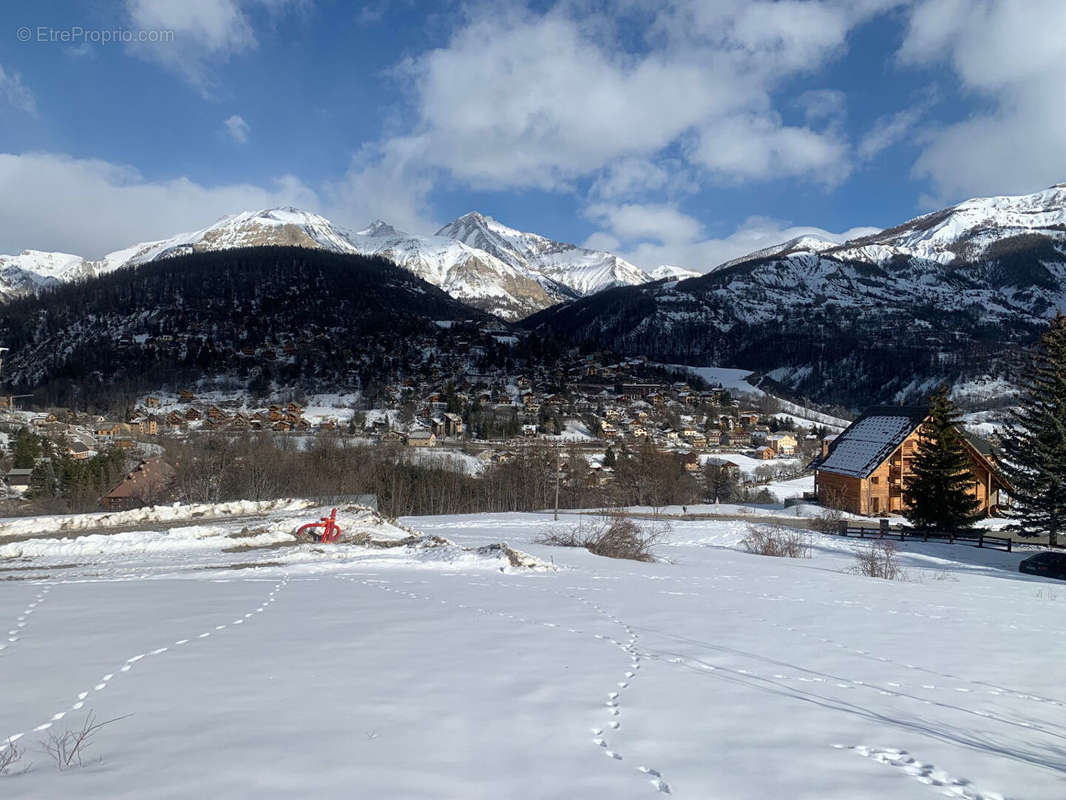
613,537
879,560
766,540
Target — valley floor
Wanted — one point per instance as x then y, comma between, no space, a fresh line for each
279,670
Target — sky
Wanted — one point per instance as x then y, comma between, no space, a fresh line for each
682,132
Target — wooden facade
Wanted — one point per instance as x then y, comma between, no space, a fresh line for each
880,490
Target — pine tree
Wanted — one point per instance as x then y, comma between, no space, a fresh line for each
1033,455
938,488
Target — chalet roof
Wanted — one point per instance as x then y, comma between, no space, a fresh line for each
148,477
870,439
19,476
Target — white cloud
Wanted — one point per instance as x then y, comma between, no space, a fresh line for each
631,221
92,207
888,131
520,100
823,105
746,147
205,32
237,128
16,92
650,236
1011,54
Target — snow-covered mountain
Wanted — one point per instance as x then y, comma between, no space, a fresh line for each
466,273
669,271
511,286
582,271
808,243
947,296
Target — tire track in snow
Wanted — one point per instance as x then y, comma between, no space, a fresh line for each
926,773
19,625
612,704
984,686
133,661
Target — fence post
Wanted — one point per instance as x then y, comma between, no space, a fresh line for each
980,540
884,527
1010,541
843,527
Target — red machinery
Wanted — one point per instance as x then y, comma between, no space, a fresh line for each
330,529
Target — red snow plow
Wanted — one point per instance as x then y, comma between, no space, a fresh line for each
329,533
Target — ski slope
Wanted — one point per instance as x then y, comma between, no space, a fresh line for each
285,670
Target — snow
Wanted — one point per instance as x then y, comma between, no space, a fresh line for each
444,673
736,382
672,272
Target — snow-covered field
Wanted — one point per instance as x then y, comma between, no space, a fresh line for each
438,671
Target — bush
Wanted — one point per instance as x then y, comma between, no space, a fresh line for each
828,521
879,561
614,537
9,757
765,540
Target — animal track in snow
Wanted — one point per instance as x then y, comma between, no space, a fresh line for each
18,627
922,772
126,666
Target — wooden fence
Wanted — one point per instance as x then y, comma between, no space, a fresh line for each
974,538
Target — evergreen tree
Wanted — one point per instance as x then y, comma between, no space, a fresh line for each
1033,456
938,489
26,449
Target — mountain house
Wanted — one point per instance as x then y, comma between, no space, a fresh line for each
148,483
864,469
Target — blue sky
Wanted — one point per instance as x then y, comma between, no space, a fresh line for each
682,132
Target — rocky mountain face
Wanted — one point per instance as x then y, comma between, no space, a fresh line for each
947,296
514,275
580,270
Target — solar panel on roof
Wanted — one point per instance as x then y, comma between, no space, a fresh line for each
866,444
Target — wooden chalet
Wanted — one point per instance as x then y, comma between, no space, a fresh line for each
865,468
149,482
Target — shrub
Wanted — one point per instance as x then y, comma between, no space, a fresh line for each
879,560
9,757
828,521
766,540
613,537
69,749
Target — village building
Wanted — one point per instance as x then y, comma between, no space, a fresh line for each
18,479
421,439
148,483
784,444
865,469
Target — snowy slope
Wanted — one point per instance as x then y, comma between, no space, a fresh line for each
470,275
466,273
967,231
583,271
664,271
458,678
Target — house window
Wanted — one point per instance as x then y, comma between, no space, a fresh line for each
875,480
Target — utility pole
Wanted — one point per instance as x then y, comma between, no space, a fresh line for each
557,472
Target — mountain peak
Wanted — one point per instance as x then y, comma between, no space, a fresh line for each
379,228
